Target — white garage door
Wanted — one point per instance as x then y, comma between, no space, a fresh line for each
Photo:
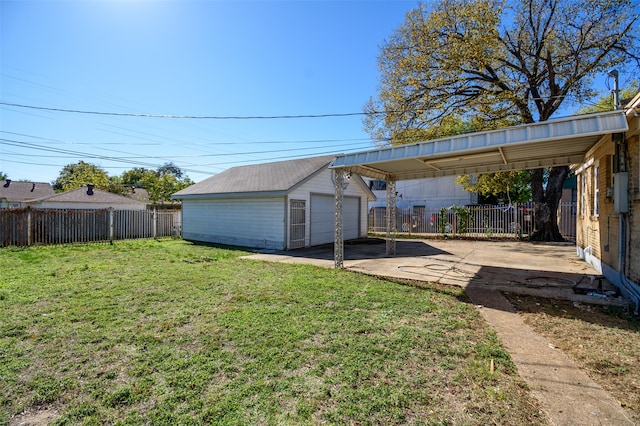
322,218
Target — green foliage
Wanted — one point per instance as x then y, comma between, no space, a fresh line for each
449,126
464,219
488,229
138,177
80,174
443,220
605,102
3,176
454,219
160,184
501,187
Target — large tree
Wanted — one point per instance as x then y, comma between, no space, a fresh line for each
160,183
500,63
76,175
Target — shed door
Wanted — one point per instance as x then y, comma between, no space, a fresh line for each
322,218
298,223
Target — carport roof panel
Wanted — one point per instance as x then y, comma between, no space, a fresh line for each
545,144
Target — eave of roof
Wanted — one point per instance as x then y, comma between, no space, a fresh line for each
545,144
251,194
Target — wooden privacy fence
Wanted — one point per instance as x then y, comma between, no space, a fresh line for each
29,226
477,221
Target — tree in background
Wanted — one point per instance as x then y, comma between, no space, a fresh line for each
160,183
138,177
171,169
79,174
605,103
498,64
3,176
499,188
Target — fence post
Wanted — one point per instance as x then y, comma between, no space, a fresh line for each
111,233
155,223
29,230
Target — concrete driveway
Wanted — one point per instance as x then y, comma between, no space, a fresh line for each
545,269
484,269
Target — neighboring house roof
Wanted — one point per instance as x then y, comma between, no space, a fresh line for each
139,194
277,177
89,195
15,192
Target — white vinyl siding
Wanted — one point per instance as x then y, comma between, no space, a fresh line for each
251,222
264,221
432,193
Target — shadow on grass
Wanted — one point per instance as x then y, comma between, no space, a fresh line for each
220,246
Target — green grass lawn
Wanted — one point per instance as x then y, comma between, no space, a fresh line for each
169,332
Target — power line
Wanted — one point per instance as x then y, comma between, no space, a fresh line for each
206,143
80,154
129,160
200,117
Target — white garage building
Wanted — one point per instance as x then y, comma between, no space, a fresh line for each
278,206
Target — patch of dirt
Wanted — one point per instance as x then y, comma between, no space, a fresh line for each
604,341
41,417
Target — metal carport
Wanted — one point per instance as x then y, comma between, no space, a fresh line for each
550,143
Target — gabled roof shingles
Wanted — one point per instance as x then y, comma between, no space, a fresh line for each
279,176
19,191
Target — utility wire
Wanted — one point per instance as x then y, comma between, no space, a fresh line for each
206,143
229,117
126,160
205,117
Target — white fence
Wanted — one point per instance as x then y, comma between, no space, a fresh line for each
475,221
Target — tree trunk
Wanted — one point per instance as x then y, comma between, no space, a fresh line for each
546,199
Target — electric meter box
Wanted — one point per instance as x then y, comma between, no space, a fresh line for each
621,192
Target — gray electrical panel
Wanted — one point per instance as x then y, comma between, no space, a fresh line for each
621,192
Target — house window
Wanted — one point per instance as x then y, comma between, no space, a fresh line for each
378,185
583,194
596,190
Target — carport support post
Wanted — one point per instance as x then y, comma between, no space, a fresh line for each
391,215
339,176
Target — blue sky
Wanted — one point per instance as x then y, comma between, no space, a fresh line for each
185,58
